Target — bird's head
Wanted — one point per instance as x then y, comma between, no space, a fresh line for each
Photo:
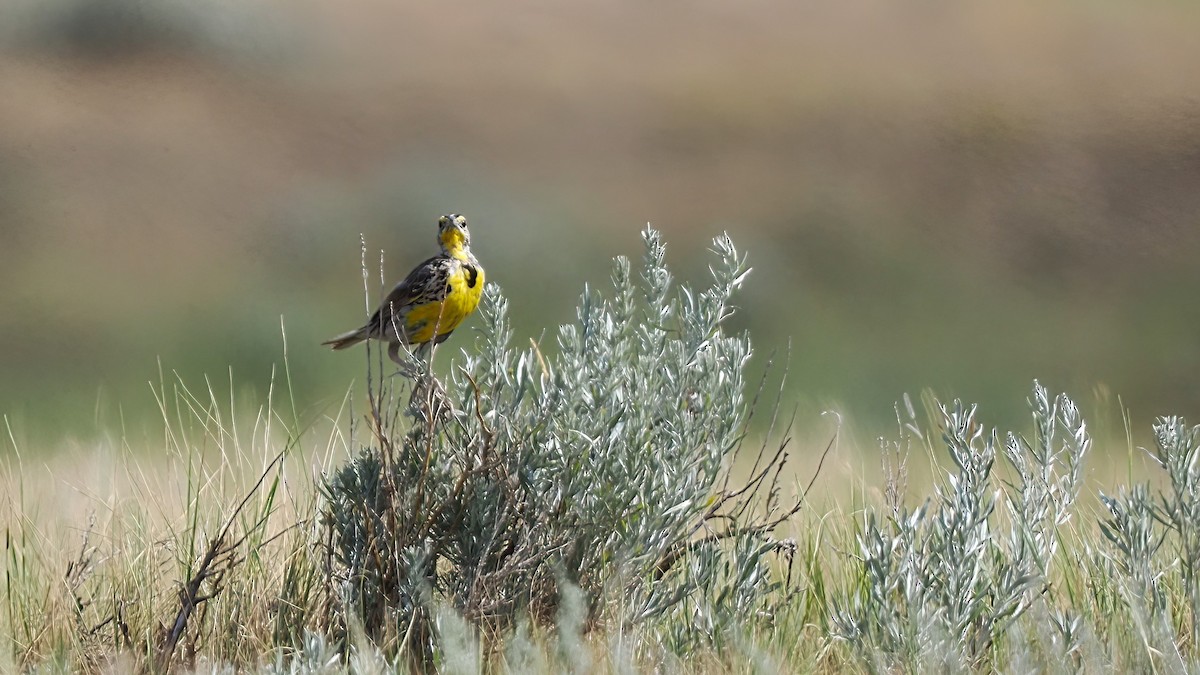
454,236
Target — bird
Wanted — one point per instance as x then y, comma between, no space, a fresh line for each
432,301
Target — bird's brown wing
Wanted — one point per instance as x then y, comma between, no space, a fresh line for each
426,283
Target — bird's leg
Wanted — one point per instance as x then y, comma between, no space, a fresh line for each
427,389
409,365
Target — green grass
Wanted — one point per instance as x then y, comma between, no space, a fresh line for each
625,503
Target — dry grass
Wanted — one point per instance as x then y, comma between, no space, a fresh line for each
100,540
113,549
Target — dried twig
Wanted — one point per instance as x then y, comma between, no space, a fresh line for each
218,560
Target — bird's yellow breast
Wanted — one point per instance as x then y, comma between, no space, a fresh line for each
464,288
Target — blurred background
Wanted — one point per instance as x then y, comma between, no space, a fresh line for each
956,197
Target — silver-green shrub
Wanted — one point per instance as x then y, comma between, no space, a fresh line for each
1153,552
941,583
601,462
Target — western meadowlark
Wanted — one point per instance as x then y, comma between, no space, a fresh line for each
432,300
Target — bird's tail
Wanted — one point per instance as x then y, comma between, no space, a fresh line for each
346,339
